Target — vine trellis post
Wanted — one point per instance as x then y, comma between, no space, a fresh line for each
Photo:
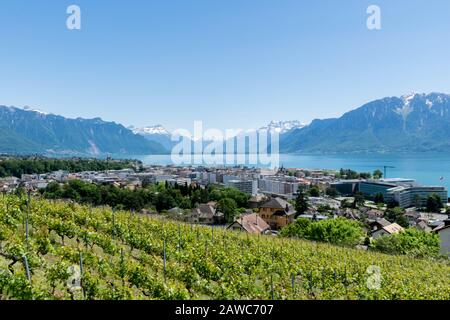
81,274
293,284
26,219
27,270
164,257
271,287
113,223
179,238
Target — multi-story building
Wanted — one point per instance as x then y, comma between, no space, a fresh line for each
163,178
246,186
212,178
369,188
346,187
278,186
406,192
226,178
417,195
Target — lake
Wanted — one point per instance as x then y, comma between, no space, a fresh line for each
426,168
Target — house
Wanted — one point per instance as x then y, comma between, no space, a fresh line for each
206,214
257,200
251,223
36,184
432,217
390,229
9,182
444,237
313,217
277,213
436,224
374,214
60,175
176,211
423,226
378,224
348,213
146,212
322,201
412,215
4,188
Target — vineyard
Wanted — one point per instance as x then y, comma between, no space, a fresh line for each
59,250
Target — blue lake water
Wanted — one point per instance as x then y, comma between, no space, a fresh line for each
426,168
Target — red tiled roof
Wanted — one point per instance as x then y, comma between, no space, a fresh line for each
252,223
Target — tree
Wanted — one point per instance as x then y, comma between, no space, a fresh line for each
359,200
377,174
298,229
331,192
417,201
402,221
53,187
409,242
29,165
348,174
314,191
339,231
392,204
323,208
379,198
365,175
397,215
165,201
185,204
146,182
301,203
346,204
228,207
70,193
52,191
239,197
434,203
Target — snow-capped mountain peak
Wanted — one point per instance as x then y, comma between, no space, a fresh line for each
151,130
406,109
28,108
282,127
430,101
408,97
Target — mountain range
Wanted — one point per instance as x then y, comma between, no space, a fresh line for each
282,127
160,135
410,123
157,134
26,131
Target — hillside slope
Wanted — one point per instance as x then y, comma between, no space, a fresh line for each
122,257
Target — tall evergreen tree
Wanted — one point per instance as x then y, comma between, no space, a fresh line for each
301,202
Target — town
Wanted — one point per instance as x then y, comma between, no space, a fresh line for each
273,198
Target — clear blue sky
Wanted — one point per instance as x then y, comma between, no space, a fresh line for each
230,63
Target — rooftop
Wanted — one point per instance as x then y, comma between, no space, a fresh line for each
393,228
252,223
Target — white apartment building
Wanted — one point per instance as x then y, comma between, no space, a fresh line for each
277,186
246,186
